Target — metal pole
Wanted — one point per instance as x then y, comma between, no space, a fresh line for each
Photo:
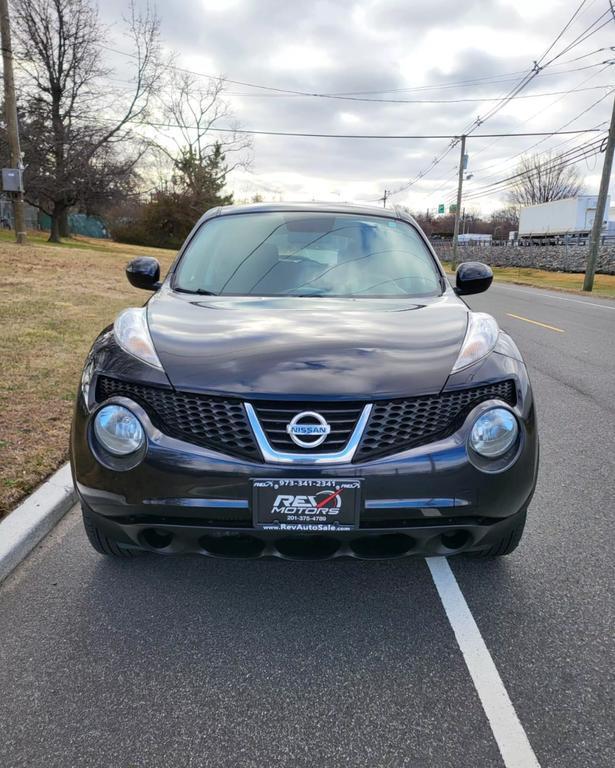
384,198
458,208
10,110
596,236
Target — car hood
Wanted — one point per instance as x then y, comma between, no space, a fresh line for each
306,347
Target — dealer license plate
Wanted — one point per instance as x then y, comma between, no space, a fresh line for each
306,505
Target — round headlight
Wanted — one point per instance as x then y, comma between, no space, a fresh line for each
494,433
118,430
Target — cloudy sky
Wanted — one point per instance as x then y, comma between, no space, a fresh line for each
462,55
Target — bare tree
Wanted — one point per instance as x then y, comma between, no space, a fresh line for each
200,156
542,178
503,221
69,148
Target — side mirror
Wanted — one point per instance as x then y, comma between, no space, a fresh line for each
144,272
472,277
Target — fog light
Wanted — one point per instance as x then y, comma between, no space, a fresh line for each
118,430
494,433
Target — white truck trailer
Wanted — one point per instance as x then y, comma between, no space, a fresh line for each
572,218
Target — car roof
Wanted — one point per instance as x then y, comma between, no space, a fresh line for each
312,207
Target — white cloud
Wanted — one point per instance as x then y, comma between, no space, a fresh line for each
300,57
350,118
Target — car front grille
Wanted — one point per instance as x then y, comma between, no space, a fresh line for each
222,424
395,425
213,422
275,417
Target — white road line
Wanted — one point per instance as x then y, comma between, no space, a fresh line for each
510,737
538,291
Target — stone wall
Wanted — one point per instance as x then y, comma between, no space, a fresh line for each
555,258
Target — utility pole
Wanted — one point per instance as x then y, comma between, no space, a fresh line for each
458,208
384,198
10,112
594,243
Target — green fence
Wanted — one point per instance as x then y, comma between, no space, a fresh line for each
80,224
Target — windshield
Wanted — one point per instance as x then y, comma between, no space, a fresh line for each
307,254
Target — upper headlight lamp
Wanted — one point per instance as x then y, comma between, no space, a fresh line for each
133,336
86,379
481,337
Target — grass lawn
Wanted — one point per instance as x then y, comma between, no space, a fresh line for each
54,301
604,285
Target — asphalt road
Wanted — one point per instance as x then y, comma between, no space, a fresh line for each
195,662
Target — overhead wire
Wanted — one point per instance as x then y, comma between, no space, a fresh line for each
565,125
570,157
507,98
380,136
587,32
342,95
481,169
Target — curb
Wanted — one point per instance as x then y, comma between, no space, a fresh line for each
32,520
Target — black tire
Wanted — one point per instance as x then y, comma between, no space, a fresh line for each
505,545
102,543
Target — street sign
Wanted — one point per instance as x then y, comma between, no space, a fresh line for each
441,208
452,208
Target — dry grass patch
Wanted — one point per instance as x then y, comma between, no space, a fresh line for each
54,301
604,285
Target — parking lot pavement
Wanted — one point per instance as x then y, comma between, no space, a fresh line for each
195,662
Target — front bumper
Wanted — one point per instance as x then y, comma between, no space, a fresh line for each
430,499
442,536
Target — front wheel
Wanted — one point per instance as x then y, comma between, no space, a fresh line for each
102,543
507,544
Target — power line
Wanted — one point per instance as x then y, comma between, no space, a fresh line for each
503,185
574,89
125,86
570,157
511,185
586,34
432,101
565,125
554,43
451,182
478,82
532,146
573,155
580,38
523,83
309,135
343,95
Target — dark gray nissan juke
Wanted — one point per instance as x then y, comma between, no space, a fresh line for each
305,383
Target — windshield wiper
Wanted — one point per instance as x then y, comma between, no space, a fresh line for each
197,291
